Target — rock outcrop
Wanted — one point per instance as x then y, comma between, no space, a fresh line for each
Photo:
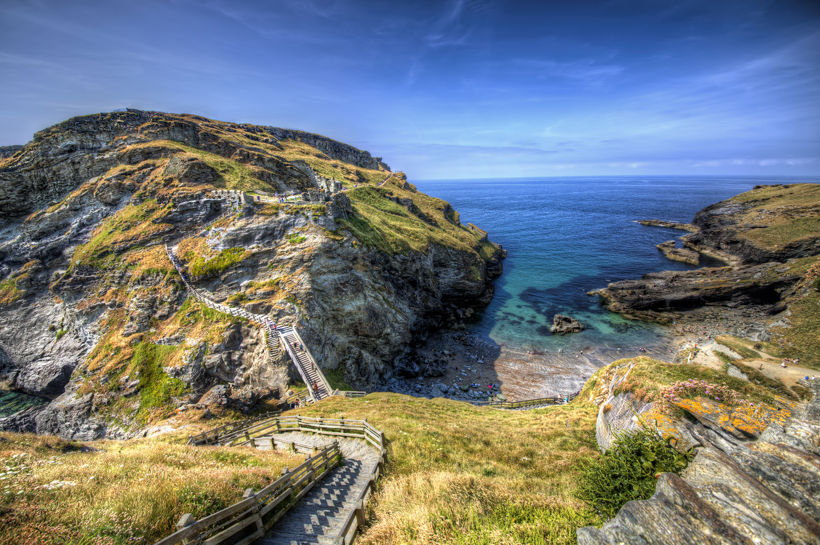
562,324
93,315
657,296
761,235
8,151
684,255
734,491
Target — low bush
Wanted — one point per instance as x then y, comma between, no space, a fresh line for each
628,471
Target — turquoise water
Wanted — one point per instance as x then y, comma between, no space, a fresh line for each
565,237
14,402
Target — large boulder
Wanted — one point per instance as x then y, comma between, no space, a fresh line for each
561,325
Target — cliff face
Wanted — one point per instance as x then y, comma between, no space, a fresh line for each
769,223
93,315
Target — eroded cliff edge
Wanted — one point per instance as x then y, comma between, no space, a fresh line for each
95,318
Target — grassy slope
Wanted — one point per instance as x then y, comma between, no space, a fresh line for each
117,492
468,475
382,223
781,214
456,473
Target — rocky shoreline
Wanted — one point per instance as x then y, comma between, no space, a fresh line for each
760,235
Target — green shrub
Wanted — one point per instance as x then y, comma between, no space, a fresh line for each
294,238
628,470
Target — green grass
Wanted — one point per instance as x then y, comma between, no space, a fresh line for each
756,377
802,338
780,234
336,378
295,238
156,387
123,230
229,257
9,292
232,174
380,222
649,378
737,346
781,214
120,492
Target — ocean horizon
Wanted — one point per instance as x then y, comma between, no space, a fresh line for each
565,238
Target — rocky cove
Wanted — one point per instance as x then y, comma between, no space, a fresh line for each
90,306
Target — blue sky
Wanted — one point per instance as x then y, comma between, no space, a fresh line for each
455,89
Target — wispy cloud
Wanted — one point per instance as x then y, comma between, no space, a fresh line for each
585,70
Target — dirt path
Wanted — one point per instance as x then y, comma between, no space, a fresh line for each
788,375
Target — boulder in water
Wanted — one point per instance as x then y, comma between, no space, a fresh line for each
561,325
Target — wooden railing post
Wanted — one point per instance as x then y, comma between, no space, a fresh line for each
185,520
260,527
360,513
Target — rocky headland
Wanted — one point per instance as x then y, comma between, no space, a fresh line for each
769,238
94,318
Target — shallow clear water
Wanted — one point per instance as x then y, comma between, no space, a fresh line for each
565,237
14,402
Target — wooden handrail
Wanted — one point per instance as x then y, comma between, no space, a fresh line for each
359,429
264,322
249,519
554,400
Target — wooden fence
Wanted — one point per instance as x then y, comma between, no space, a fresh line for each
224,433
260,433
527,403
357,429
249,519
350,393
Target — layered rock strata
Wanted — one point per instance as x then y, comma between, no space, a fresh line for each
734,492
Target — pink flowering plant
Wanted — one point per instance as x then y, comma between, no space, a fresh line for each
701,388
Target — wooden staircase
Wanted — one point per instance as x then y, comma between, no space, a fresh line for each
276,337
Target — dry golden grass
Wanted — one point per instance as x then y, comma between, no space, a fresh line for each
462,474
117,492
781,214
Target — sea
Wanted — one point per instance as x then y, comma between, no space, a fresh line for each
567,236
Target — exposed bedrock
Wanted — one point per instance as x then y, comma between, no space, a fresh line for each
730,227
561,325
656,296
734,492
